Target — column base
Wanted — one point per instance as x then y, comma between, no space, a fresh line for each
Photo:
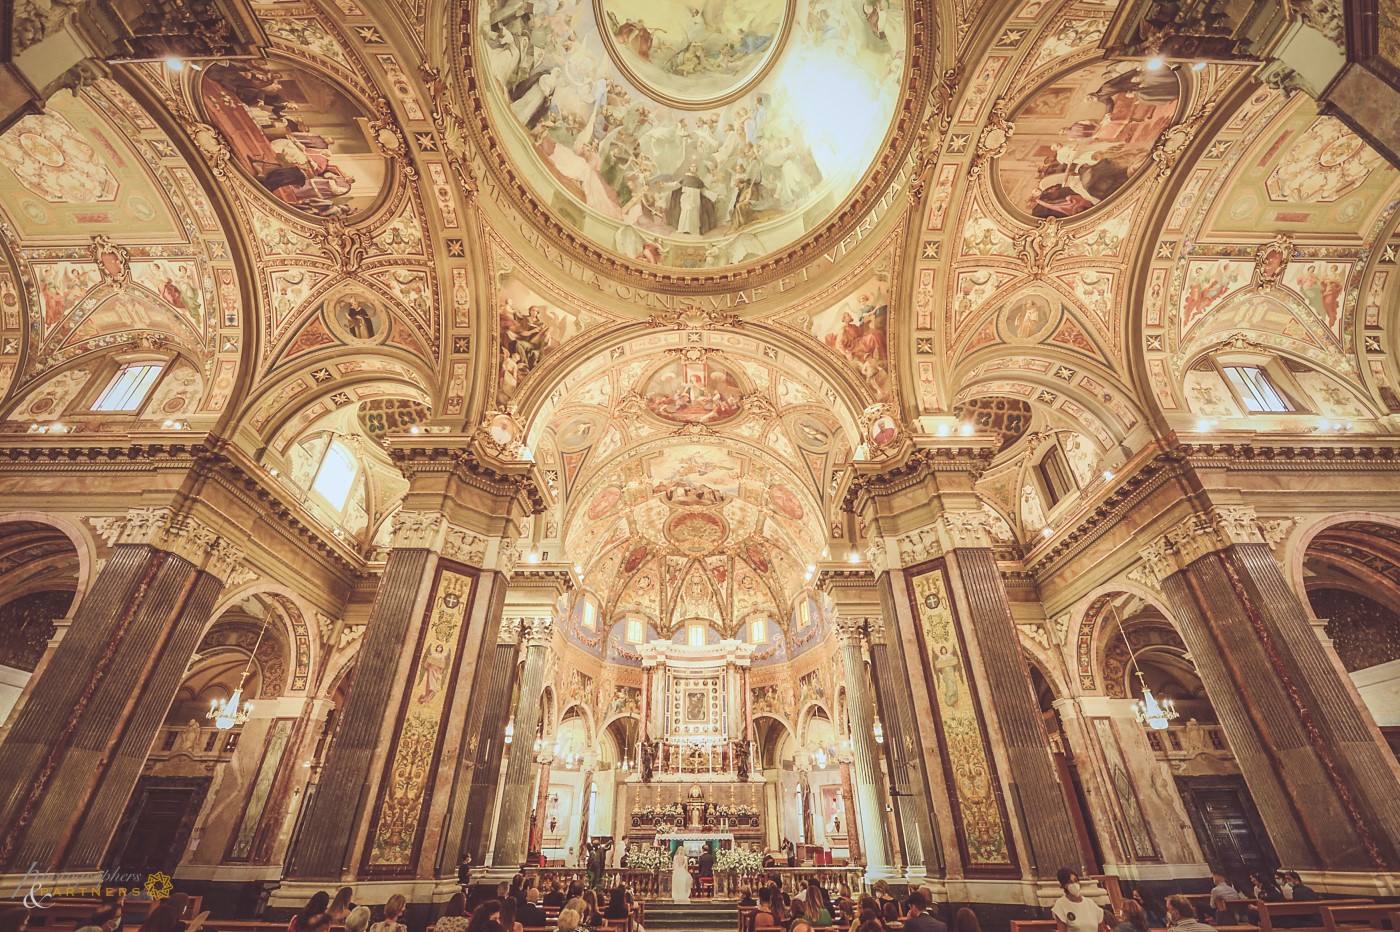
885,872
1354,883
1009,892
490,876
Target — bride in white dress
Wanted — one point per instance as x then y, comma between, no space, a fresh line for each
680,877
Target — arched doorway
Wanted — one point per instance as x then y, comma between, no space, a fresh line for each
1066,767
1156,781
247,649
1352,576
38,582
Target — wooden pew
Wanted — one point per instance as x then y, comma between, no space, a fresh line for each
1032,925
1312,909
746,918
1346,918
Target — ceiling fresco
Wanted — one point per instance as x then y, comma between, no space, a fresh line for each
649,119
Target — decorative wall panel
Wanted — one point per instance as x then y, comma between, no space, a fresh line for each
408,778
982,829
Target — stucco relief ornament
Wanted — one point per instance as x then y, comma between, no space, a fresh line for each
347,249
113,261
935,129
1039,248
992,141
464,546
1271,261
1173,143
384,130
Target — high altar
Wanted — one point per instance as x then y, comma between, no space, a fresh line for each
694,779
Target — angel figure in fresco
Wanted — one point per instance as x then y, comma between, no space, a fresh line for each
432,673
945,667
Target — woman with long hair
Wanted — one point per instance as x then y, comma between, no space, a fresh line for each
454,919
507,916
313,908
340,906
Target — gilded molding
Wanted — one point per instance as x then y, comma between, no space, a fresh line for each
179,534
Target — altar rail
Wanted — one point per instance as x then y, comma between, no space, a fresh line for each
727,885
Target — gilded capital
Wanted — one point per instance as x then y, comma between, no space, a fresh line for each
179,534
1196,536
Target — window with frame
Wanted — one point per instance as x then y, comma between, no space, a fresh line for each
804,614
695,636
636,631
589,615
336,475
758,631
129,387
1258,392
1055,474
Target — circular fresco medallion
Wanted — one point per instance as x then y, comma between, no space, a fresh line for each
1082,137
1028,316
604,502
696,532
357,318
634,559
579,432
699,392
300,137
756,557
786,503
811,433
693,55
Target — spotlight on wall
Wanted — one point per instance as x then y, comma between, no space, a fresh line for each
175,64
967,428
1198,66
1108,475
853,556
1155,63
1046,532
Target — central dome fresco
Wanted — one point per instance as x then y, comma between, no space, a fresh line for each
693,134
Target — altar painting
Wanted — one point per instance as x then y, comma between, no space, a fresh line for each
967,758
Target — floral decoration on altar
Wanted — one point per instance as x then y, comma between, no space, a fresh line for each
648,859
739,861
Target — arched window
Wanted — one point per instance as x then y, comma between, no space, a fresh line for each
130,385
758,631
636,631
588,616
336,475
695,635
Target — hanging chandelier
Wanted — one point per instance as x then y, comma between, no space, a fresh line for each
1155,713
1150,711
235,711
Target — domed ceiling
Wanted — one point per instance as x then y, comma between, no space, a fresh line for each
693,134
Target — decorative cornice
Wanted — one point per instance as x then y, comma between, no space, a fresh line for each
911,463
464,459
179,534
215,458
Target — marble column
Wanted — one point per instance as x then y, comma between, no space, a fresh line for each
903,749
515,795
848,799
76,748
987,621
1321,782
396,781
860,709
541,805
474,796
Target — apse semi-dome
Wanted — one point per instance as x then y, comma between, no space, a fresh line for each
692,134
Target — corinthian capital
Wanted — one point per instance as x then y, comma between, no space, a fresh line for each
179,534
536,631
850,630
1195,536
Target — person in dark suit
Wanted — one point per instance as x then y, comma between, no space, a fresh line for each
706,862
530,915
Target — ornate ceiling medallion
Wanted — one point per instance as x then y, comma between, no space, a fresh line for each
301,138
694,56
1083,137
